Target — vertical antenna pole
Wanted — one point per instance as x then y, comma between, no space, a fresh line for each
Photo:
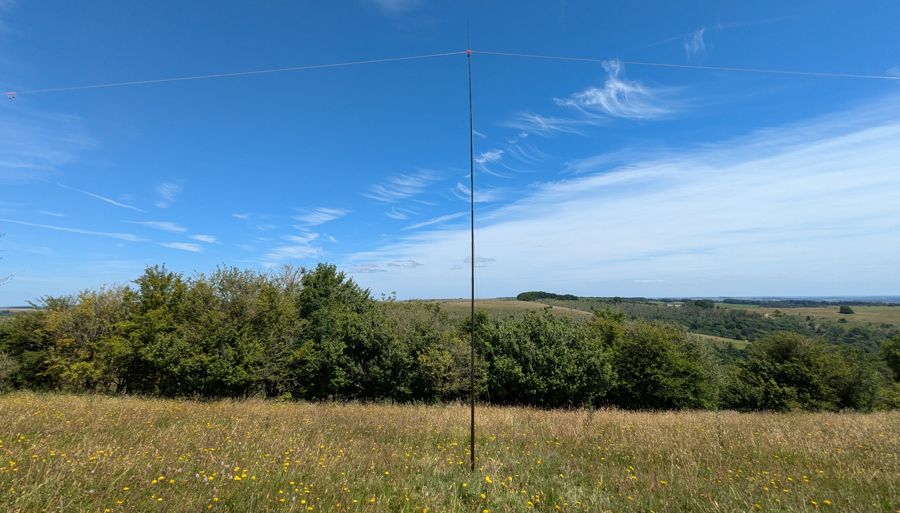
472,256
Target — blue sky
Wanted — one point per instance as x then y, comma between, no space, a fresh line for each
593,178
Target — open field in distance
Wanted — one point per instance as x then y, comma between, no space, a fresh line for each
515,308
506,307
874,314
103,454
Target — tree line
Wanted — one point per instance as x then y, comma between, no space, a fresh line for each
314,334
702,316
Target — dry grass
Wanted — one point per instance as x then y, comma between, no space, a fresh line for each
508,307
98,454
740,344
874,314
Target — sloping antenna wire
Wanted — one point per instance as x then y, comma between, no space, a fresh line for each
820,74
231,74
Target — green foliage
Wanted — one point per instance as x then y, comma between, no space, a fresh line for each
538,295
315,334
844,309
23,338
8,368
663,367
890,352
545,360
740,324
787,371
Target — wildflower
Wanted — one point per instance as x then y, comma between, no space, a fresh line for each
826,502
487,479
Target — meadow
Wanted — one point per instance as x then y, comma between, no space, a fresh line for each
97,453
460,308
871,314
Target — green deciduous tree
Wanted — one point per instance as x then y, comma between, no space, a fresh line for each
786,371
663,367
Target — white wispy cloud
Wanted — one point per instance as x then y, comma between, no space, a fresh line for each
436,220
400,213
209,239
479,261
165,226
544,125
775,212
167,193
487,162
619,97
35,145
183,246
302,237
694,43
487,157
51,213
103,198
403,186
112,235
525,153
294,247
241,216
366,269
321,216
369,268
482,195
285,253
405,264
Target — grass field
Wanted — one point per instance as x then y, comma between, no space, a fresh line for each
507,307
515,308
100,454
875,314
740,344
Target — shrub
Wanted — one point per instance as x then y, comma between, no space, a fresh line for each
662,367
